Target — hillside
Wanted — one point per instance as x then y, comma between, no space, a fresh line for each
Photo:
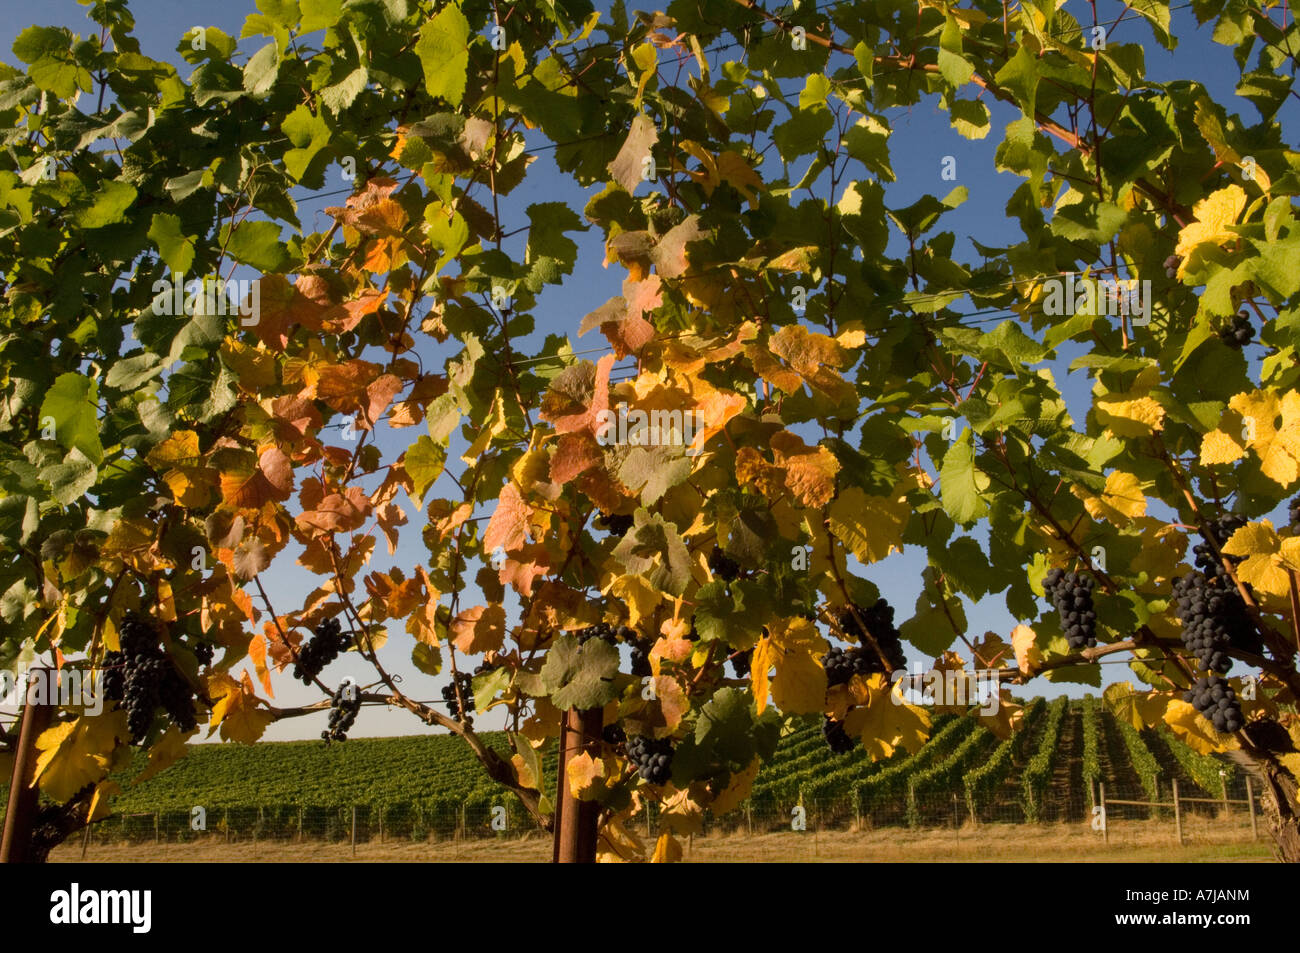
1044,772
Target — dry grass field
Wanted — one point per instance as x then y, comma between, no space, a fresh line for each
1135,842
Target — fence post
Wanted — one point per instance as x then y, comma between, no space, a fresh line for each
354,830
1250,801
1178,815
300,823
1223,782
20,812
749,818
381,824
227,822
1105,820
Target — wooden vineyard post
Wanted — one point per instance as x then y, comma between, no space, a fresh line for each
1105,821
574,840
354,830
1250,805
20,816
1178,815
1223,783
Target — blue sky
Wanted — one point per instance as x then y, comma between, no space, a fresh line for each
921,138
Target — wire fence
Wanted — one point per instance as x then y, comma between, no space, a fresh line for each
1210,818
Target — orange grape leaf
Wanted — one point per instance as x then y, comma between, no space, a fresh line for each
1028,654
271,479
575,453
577,394
480,629
343,386
508,527
257,654
524,567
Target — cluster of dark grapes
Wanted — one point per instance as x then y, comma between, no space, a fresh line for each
616,523
344,706
722,565
613,734
466,682
640,652
1214,698
203,652
328,640
601,630
1214,617
740,662
837,739
652,758
142,679
1239,332
613,635
1221,530
1293,515
843,664
1171,266
1071,595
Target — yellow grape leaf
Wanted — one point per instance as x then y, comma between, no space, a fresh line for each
1138,708
75,753
236,708
1214,214
1289,554
1163,547
583,772
1219,446
191,486
99,808
1028,655
737,789
870,526
493,426
1132,413
667,850
1120,501
181,449
682,815
617,844
793,648
169,749
637,594
886,722
1262,566
1007,719
1278,448
1195,729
